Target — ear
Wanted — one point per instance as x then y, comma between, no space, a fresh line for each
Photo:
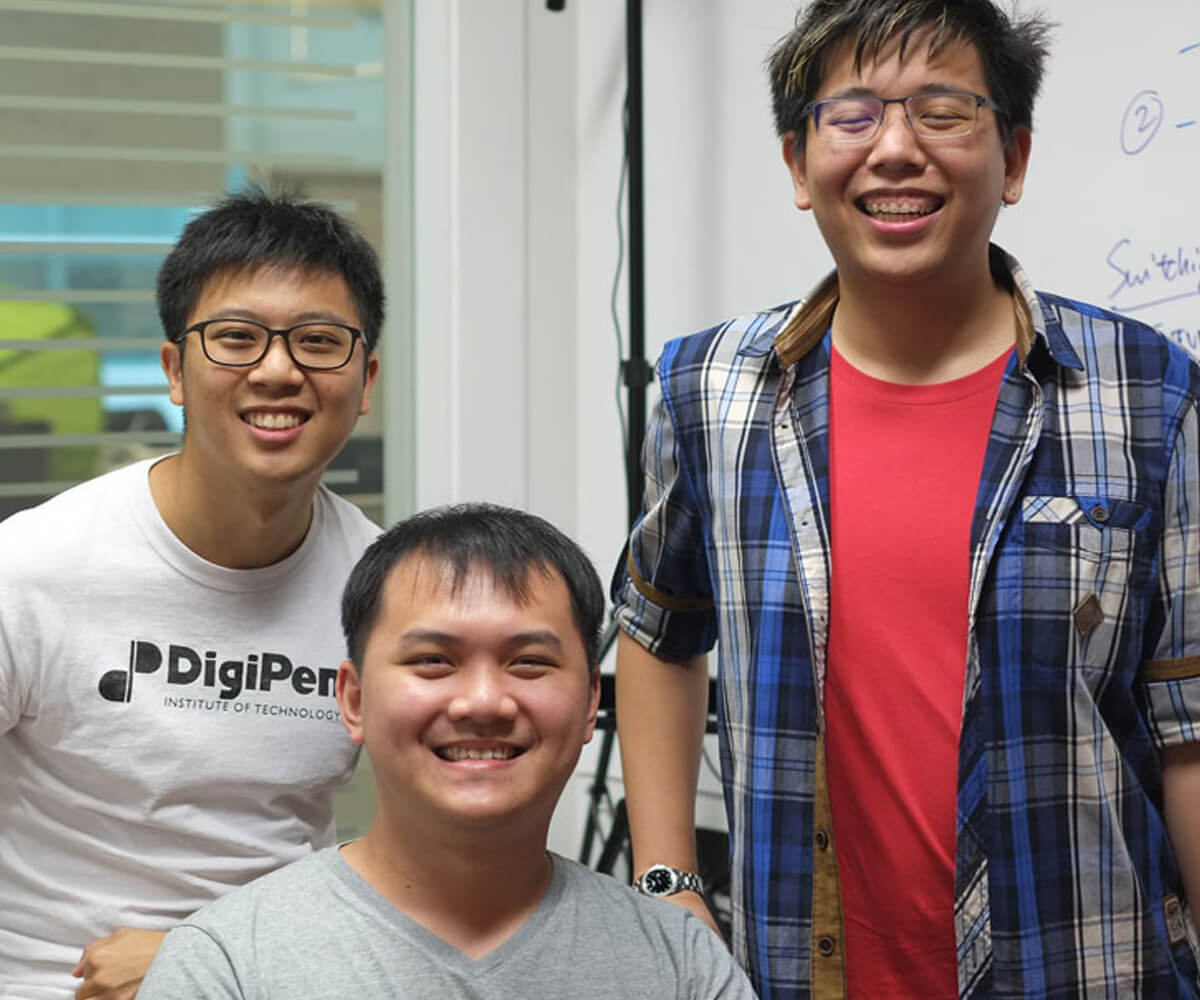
368,383
793,156
593,705
172,366
349,698
1016,162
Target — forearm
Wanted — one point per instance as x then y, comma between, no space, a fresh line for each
1181,805
661,711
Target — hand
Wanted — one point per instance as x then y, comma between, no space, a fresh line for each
112,968
695,902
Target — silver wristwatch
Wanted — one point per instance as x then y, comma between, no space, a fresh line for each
663,880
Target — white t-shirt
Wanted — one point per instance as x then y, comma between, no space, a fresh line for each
168,727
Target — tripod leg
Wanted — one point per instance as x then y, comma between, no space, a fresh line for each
616,841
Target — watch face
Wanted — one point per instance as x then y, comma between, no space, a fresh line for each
658,881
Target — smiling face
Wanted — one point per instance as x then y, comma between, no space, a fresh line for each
271,422
473,707
898,209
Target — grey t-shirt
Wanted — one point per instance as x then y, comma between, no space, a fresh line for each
316,929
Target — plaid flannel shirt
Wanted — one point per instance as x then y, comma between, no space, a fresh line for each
1083,655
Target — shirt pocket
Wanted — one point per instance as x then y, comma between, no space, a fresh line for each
1085,565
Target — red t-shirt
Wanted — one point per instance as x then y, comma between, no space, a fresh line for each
905,463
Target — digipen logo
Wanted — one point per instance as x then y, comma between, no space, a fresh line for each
144,658
226,678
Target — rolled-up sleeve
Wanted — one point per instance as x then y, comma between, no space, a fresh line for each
662,591
1171,679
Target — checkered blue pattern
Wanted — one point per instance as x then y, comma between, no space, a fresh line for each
1083,657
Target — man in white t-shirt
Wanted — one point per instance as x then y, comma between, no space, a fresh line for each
473,682
168,631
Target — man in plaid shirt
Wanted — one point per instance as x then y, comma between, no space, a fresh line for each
946,530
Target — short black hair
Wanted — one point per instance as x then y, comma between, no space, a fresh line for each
506,543
1012,50
256,230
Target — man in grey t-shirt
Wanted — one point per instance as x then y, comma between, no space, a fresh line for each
473,683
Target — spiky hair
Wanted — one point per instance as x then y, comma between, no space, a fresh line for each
1012,49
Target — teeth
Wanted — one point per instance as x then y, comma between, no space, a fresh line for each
475,753
878,208
273,421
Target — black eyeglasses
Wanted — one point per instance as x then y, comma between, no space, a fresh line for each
944,114
240,343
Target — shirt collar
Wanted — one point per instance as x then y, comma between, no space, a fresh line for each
810,318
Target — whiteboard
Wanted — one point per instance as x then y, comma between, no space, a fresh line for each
1111,211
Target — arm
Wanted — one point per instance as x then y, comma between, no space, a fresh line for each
1181,806
663,601
113,967
661,711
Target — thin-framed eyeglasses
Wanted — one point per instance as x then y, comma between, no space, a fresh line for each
941,114
240,343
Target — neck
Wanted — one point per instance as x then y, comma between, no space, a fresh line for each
227,524
473,889
923,334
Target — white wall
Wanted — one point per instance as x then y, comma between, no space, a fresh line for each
494,255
